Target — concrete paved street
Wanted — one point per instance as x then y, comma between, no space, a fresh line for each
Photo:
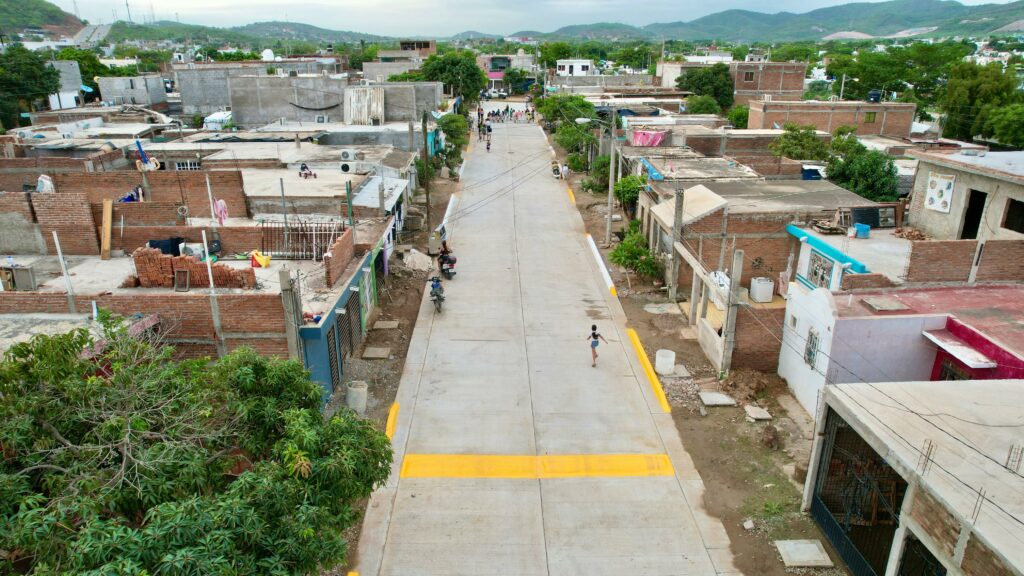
513,455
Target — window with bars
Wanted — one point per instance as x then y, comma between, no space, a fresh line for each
952,371
748,76
819,270
811,350
187,165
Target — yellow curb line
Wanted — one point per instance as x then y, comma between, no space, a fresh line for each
389,428
535,467
600,264
651,376
572,197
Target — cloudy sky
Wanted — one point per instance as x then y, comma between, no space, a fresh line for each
420,17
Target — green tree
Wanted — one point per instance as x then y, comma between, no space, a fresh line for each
516,79
573,137
459,73
738,116
90,66
628,190
565,108
739,52
598,178
633,253
551,52
971,94
799,143
868,173
1006,125
363,54
456,136
713,81
635,55
24,79
818,90
702,105
120,460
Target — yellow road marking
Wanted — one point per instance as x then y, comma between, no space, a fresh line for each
572,197
614,291
389,428
651,376
535,467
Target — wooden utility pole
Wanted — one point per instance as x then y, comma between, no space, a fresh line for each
611,177
677,236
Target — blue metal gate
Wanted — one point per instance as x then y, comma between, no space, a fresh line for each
855,561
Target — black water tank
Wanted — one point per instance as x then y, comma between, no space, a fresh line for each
874,96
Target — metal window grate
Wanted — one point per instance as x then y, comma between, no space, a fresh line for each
332,357
299,240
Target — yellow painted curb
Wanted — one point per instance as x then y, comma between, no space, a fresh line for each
651,376
389,428
353,574
535,467
572,197
614,291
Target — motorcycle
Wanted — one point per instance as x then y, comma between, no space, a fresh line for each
447,265
436,292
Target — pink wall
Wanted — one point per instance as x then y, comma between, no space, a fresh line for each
1008,366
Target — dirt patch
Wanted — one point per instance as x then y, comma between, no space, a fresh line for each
742,463
399,298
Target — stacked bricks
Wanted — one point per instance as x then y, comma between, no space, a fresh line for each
1002,261
941,260
156,270
178,186
16,181
338,257
68,215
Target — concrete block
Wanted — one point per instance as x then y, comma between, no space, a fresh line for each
372,353
756,412
385,324
803,554
716,399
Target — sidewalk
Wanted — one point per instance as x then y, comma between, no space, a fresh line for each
512,454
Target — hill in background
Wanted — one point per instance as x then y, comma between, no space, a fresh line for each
16,15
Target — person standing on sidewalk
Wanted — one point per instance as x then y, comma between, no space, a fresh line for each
594,337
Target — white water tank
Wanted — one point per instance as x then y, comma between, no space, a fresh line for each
761,289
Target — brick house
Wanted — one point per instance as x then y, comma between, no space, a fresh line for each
751,80
891,119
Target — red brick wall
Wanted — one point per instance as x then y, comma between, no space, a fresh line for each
13,181
764,255
16,203
141,214
44,164
255,320
859,281
758,335
891,118
341,253
233,239
941,260
1002,261
156,270
69,215
768,165
783,80
165,186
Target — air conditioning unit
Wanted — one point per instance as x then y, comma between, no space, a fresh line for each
766,97
321,119
350,154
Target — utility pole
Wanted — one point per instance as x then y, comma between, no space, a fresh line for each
677,236
842,87
426,177
734,304
129,9
611,177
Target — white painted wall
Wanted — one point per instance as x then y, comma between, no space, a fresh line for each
63,100
884,348
804,262
806,310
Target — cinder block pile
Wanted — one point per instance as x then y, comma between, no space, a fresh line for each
156,270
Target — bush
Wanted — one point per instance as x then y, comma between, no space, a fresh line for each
577,162
425,172
632,253
628,191
738,116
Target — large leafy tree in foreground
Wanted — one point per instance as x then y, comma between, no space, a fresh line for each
120,460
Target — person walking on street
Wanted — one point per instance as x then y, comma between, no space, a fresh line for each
594,337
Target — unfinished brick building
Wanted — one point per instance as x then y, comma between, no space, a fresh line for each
893,119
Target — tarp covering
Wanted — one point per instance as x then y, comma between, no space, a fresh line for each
648,137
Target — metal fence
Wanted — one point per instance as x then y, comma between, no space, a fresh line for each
299,240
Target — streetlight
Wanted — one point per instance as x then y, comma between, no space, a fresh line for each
611,171
842,86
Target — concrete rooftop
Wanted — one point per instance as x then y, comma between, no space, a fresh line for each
883,252
787,196
699,169
972,425
16,328
267,182
997,310
1003,165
